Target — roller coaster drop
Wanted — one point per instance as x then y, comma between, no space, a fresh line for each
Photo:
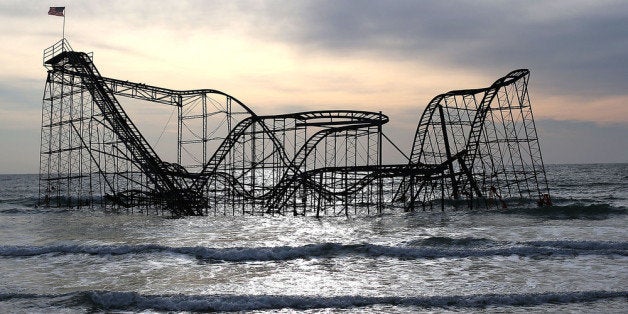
475,147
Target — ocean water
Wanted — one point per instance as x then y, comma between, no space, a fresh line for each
572,257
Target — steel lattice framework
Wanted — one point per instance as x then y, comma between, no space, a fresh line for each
491,134
479,146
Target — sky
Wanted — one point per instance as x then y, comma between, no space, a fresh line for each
286,56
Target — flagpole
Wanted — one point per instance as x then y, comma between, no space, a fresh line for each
63,34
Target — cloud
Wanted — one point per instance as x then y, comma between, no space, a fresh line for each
19,93
572,47
578,47
582,142
603,110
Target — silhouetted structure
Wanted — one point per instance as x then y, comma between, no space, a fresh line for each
477,146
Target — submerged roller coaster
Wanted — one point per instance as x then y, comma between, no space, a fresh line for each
476,147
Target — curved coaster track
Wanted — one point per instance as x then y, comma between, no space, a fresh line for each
477,147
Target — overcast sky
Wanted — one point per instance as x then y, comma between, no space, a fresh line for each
282,56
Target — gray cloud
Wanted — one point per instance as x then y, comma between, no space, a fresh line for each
571,47
582,142
21,93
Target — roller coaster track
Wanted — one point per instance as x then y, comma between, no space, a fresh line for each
478,124
166,181
374,172
421,133
169,180
113,113
475,132
274,161
290,181
210,169
224,149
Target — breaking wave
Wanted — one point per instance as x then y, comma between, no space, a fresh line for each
439,249
571,211
132,301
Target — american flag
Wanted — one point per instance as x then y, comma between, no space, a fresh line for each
58,11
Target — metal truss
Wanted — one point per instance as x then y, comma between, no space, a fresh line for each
470,145
492,130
